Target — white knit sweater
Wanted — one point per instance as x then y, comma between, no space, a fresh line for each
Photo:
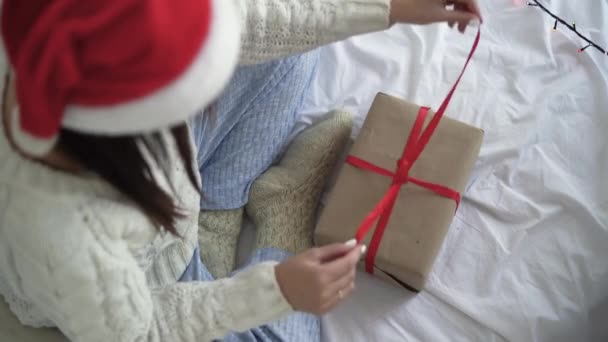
76,254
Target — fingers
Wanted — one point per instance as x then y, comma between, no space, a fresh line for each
459,16
463,19
333,274
331,252
343,266
343,282
462,12
471,6
462,26
334,291
337,298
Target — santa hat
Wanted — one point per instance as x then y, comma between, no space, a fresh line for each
114,67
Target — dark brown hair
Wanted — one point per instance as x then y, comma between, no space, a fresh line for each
121,162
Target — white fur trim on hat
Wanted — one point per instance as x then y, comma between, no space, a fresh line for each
191,92
30,144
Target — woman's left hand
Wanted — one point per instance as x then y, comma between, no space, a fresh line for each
462,12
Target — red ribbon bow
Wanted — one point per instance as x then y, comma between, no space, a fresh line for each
416,143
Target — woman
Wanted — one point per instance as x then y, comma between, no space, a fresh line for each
99,190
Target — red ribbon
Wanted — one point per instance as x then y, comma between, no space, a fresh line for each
417,141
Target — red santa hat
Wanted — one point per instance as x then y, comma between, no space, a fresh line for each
114,67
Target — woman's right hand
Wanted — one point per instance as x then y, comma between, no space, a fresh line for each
461,12
316,280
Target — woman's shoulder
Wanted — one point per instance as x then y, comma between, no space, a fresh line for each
52,225
54,212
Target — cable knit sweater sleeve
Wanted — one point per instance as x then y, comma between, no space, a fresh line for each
110,300
278,28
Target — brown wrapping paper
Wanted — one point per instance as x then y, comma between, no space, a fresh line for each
421,218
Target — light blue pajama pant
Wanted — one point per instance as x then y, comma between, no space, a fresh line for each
237,140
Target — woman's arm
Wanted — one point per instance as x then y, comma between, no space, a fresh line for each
278,28
94,290
111,302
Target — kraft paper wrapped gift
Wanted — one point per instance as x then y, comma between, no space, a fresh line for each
420,218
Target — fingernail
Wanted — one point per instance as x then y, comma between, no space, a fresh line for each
474,23
351,243
363,249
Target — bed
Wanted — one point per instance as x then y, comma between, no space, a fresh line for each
526,258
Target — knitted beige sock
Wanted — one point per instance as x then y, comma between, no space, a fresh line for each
218,236
283,200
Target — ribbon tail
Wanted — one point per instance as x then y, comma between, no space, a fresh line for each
374,244
430,129
378,210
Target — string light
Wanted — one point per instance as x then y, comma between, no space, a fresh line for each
558,20
584,48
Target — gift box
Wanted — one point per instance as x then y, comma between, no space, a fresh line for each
400,187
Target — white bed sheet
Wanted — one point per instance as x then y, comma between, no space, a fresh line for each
526,258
